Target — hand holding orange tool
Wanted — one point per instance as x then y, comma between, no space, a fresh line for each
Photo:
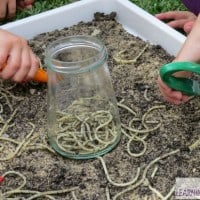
40,76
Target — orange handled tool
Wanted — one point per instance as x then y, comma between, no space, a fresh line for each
40,76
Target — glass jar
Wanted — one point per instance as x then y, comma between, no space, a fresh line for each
83,117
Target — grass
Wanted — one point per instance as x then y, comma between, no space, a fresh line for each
151,6
41,6
38,7
157,6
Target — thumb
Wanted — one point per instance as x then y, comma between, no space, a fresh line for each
188,27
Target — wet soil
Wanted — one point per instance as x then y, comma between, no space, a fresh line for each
24,109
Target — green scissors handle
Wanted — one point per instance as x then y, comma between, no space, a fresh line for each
188,86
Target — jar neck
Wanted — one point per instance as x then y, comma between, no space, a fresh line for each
75,54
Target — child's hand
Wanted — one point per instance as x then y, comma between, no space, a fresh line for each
8,8
189,52
21,62
170,95
179,19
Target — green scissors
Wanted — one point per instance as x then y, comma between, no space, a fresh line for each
188,86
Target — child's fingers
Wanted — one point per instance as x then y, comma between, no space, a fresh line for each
165,15
171,15
170,95
175,15
3,10
28,2
172,101
7,9
188,26
177,23
20,4
11,9
25,3
3,58
163,86
33,68
22,72
174,97
13,63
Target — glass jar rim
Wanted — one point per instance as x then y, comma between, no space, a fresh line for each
75,66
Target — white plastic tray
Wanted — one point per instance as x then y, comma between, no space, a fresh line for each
134,19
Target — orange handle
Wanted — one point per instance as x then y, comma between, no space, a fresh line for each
41,76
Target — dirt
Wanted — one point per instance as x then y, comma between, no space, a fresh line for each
135,86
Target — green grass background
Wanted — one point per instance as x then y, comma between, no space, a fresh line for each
151,6
157,6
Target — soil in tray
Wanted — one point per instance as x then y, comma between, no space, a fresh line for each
160,147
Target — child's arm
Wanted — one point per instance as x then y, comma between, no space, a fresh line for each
190,51
21,62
